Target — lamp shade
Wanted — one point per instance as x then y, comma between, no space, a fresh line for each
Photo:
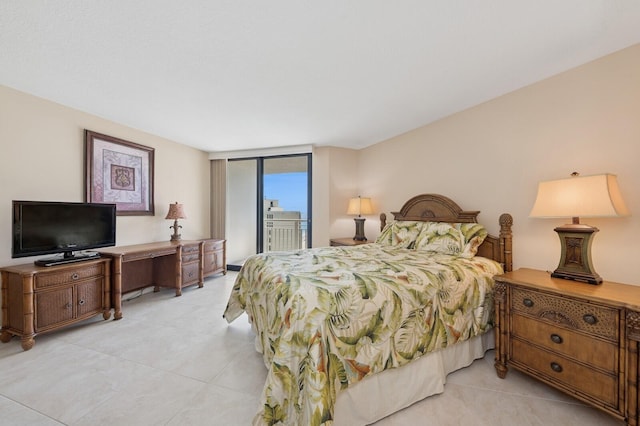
359,206
176,211
579,196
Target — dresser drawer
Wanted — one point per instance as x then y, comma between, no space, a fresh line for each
599,353
190,249
191,253
571,313
45,280
190,273
190,257
557,369
213,245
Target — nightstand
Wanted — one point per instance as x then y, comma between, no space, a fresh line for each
334,242
579,338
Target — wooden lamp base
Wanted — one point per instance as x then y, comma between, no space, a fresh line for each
360,229
575,261
175,236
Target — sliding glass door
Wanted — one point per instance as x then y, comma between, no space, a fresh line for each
269,206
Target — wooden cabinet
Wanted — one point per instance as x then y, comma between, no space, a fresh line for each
40,299
336,242
214,257
572,336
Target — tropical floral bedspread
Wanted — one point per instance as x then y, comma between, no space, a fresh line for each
327,317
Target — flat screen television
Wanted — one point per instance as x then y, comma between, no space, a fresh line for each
66,229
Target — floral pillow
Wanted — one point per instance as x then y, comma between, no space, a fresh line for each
458,239
402,233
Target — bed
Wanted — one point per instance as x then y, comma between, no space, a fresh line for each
350,335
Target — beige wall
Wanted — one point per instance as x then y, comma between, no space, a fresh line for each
335,180
42,152
491,158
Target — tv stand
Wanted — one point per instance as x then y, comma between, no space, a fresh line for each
37,300
68,258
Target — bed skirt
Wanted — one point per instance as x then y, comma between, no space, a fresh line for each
382,394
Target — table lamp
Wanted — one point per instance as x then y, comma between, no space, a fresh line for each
586,196
359,206
176,211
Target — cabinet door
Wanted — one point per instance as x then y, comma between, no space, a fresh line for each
209,263
213,262
218,260
53,307
89,297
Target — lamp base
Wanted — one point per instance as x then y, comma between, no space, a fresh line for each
575,255
175,236
360,229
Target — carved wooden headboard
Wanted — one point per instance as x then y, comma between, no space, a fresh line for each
438,208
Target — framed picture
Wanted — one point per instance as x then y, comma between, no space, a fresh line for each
119,172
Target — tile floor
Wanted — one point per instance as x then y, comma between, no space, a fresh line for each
175,361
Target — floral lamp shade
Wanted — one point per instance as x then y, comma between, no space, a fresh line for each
176,211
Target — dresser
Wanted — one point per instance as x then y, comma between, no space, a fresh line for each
579,338
41,299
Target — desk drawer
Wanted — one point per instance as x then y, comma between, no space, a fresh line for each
190,273
190,253
132,257
193,257
190,249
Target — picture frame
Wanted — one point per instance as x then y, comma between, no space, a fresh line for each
119,172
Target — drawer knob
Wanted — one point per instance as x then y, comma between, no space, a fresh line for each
590,319
74,276
556,339
527,302
81,302
67,306
556,367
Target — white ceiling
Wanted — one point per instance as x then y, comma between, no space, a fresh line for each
230,75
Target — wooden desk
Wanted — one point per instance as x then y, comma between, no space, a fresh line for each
155,264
